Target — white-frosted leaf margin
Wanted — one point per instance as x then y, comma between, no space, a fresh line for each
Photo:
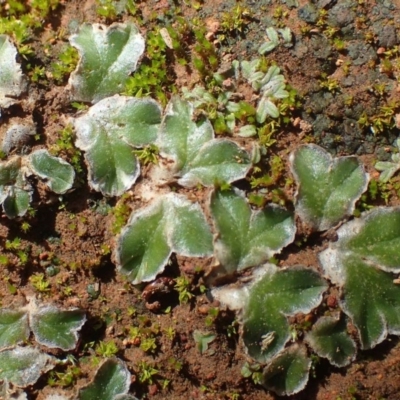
264,314
235,296
12,82
176,215
100,72
23,366
112,379
14,327
248,231
108,134
58,173
370,297
196,156
64,334
318,188
15,190
295,357
339,343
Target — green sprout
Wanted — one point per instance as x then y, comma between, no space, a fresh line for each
121,212
14,244
148,344
146,372
4,260
236,19
182,286
175,364
203,339
65,379
170,333
213,313
252,371
65,146
106,348
107,9
148,155
66,63
40,283
329,83
25,226
152,78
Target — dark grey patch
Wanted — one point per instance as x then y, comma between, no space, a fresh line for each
385,32
308,13
361,53
341,14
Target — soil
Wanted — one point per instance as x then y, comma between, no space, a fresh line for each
75,233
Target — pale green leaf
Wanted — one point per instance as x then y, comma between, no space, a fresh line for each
372,301
198,157
57,328
203,339
247,131
9,171
287,36
143,248
272,86
327,188
267,47
23,366
247,238
108,134
279,293
13,327
272,34
288,373
16,202
250,72
169,224
58,173
108,56
272,79
111,380
366,248
181,138
218,160
329,338
12,82
266,107
387,168
265,331
189,233
377,240
15,191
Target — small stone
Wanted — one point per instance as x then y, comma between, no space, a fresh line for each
203,309
212,25
309,317
110,330
44,256
331,301
153,390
